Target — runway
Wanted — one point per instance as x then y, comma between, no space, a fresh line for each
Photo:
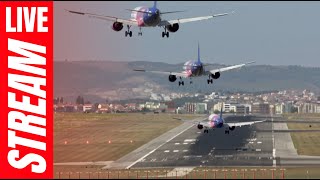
264,144
242,147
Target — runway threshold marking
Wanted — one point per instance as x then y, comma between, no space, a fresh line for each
158,147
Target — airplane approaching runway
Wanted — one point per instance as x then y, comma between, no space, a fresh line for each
147,17
216,121
196,69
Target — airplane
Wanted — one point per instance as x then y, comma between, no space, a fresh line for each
196,69
147,17
215,121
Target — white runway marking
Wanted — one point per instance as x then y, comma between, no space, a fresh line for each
185,143
175,150
189,140
166,151
273,144
251,142
176,143
158,147
259,142
258,149
185,150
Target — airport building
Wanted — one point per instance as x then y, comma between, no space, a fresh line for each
260,108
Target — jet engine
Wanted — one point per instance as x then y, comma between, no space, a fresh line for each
173,28
172,78
232,128
200,126
117,26
215,75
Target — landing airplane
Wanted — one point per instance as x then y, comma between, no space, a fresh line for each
147,17
196,69
215,121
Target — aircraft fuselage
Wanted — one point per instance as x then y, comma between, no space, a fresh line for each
152,18
215,121
193,68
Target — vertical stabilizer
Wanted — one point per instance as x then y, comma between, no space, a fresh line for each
199,53
155,4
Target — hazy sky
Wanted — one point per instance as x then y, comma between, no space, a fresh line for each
275,33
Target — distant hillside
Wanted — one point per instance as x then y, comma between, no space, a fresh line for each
98,80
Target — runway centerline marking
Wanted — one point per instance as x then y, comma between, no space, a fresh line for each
158,147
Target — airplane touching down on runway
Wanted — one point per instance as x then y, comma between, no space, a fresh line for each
147,17
215,121
196,69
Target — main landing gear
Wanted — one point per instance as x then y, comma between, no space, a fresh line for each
181,82
140,32
226,131
128,32
206,131
165,33
209,80
190,81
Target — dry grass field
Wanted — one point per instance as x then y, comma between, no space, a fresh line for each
80,137
307,143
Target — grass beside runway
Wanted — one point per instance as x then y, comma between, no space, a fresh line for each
306,143
80,137
306,116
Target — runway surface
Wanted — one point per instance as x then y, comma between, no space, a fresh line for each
242,147
263,144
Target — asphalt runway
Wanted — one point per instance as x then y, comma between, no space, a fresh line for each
245,146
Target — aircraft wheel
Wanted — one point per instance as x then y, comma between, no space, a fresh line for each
162,34
130,33
126,33
167,34
182,83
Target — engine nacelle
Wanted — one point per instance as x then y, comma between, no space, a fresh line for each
215,75
200,126
173,28
117,26
232,128
172,78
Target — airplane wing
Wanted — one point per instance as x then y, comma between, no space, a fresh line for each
213,71
107,18
239,124
201,120
186,20
181,74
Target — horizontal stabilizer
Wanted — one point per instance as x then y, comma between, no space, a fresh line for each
169,12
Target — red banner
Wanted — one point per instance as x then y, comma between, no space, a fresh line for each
26,70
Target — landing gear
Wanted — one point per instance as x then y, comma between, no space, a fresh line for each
140,32
206,131
209,80
181,82
190,81
128,32
165,33
226,131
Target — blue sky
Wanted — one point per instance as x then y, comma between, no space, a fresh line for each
273,33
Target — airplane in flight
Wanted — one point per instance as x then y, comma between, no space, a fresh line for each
215,121
147,17
196,69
